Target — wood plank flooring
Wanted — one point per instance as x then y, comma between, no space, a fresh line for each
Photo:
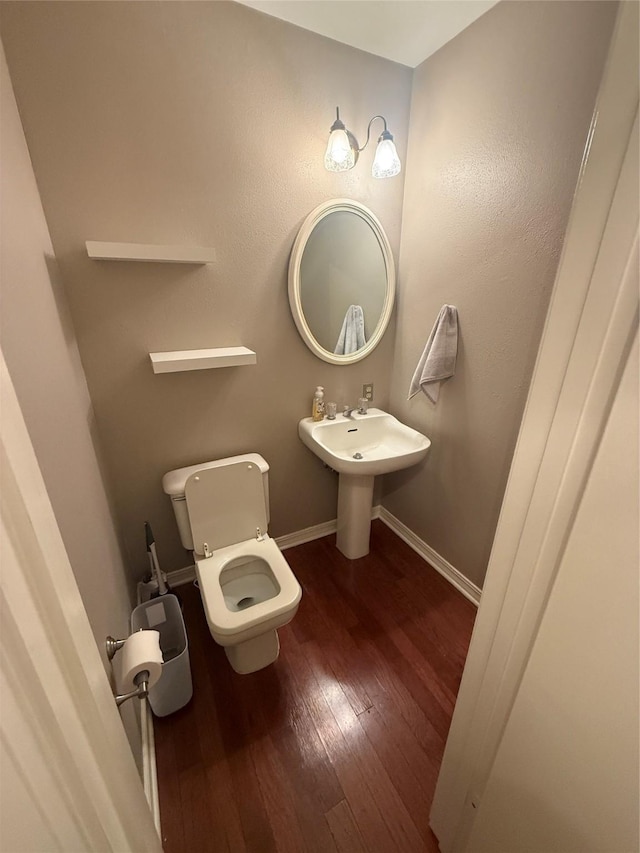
335,747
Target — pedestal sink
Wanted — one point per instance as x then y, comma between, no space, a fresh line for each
359,448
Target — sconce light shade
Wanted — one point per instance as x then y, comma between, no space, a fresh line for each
339,156
386,163
342,150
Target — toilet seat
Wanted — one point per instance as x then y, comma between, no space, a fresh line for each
226,505
227,623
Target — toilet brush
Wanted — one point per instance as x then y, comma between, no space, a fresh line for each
163,589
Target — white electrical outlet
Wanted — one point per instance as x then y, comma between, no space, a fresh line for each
367,391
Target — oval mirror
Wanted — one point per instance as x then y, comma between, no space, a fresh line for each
341,281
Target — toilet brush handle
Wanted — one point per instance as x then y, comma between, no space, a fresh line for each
162,587
153,557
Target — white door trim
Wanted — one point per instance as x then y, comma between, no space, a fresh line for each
59,721
592,316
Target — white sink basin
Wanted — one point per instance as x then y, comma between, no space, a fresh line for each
375,443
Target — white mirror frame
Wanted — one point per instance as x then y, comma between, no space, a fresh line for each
319,213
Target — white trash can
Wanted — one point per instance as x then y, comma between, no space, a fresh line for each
174,688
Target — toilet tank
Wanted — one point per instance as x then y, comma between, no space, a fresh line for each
174,482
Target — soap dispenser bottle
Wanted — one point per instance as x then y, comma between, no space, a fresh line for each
317,409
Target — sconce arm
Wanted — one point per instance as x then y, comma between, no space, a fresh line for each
385,133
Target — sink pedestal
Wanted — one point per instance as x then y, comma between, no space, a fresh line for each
359,448
355,498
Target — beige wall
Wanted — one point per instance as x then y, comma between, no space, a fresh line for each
42,355
200,123
566,774
499,119
206,123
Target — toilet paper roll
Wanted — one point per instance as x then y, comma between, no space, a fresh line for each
141,651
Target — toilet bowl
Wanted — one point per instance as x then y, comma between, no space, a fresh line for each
248,589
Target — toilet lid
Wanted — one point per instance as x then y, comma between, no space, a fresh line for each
226,505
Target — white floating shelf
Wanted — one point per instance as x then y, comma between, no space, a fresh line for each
150,253
201,359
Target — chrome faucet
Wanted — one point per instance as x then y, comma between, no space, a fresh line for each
349,410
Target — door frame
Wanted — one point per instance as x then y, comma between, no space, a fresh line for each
59,719
592,317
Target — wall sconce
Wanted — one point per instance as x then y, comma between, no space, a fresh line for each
342,150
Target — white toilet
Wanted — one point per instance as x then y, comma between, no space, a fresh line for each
247,587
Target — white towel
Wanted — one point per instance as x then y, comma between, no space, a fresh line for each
438,361
352,333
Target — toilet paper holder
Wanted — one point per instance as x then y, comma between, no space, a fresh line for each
113,646
141,680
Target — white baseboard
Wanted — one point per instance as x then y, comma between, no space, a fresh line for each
148,747
181,576
455,578
149,767
290,540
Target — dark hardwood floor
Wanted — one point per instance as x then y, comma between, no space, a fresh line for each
335,747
